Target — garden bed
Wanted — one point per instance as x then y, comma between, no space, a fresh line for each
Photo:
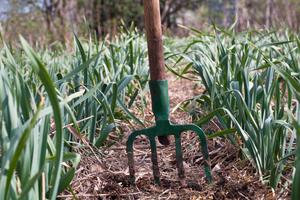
104,173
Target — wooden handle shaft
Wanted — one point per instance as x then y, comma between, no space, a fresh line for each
154,39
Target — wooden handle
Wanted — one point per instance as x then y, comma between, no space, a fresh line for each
154,39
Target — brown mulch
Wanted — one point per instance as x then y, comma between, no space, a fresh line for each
103,173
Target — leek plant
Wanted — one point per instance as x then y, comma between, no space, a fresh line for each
111,75
246,94
289,70
51,101
31,160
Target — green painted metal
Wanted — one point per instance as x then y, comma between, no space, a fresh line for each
163,127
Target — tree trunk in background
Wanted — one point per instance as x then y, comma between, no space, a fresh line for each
96,9
230,12
72,20
49,6
62,16
103,18
171,10
242,14
166,7
291,15
269,13
216,11
56,10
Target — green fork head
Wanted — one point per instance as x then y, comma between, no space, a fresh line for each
163,127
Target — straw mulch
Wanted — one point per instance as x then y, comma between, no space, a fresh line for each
103,173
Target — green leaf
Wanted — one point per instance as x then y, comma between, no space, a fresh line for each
221,133
41,71
66,179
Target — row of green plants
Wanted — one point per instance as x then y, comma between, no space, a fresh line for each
252,87
52,101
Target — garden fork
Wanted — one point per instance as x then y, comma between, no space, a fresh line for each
160,103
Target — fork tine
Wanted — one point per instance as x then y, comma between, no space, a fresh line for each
154,160
179,159
176,130
203,142
129,149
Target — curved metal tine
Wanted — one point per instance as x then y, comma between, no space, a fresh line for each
130,156
154,160
179,160
204,148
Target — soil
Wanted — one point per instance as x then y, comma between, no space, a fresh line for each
103,173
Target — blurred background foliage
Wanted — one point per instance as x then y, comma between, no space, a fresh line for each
251,79
46,21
